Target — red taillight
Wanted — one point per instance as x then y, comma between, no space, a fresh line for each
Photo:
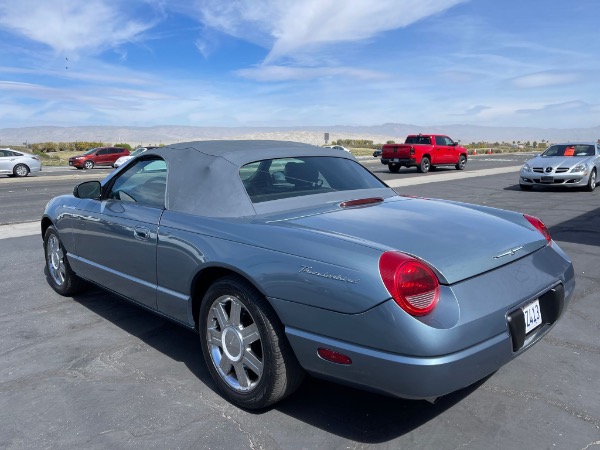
410,282
412,150
539,225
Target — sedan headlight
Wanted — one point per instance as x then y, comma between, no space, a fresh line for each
526,168
580,168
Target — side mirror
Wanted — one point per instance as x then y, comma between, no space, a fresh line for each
88,189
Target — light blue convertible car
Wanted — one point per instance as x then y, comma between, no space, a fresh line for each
291,259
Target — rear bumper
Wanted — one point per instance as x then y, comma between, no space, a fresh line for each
415,377
401,161
402,376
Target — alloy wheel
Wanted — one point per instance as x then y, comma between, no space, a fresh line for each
234,344
56,261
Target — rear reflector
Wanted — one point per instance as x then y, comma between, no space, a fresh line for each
333,356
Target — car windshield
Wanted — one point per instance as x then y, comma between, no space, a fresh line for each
274,179
569,150
90,151
137,151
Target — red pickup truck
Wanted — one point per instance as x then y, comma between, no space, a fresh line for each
424,151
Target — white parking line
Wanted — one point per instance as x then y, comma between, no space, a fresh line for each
456,175
19,229
31,228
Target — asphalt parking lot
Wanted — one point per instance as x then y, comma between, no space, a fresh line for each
97,372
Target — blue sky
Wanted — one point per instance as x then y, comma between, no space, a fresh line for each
300,63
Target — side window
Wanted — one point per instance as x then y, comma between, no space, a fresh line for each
102,152
448,140
144,183
439,140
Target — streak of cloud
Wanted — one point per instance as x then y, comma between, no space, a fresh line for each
70,27
289,27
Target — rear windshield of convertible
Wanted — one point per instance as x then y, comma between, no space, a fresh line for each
275,179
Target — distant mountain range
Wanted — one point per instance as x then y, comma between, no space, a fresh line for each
168,134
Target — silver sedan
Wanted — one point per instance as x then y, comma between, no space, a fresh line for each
569,165
18,164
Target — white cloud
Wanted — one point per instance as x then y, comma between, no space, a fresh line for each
284,73
70,27
290,27
543,79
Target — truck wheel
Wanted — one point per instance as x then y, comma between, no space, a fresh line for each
424,166
394,168
462,162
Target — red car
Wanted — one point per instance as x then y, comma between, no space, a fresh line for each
100,156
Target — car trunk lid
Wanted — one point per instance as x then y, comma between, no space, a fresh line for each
456,240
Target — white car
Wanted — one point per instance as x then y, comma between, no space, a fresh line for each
123,159
18,164
337,147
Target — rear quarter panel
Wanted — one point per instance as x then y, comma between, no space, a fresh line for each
293,265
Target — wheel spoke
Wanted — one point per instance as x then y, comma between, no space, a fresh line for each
214,337
253,363
250,335
241,375
235,314
221,315
61,272
225,364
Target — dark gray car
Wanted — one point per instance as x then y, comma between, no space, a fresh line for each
266,249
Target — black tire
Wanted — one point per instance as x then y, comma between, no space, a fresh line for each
424,166
59,274
248,355
462,163
20,170
591,185
88,165
394,168
525,187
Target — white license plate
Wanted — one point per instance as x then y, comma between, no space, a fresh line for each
533,315
395,160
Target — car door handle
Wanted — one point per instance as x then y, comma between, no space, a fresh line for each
141,233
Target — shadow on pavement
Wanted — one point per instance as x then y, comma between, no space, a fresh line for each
347,412
583,229
363,416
